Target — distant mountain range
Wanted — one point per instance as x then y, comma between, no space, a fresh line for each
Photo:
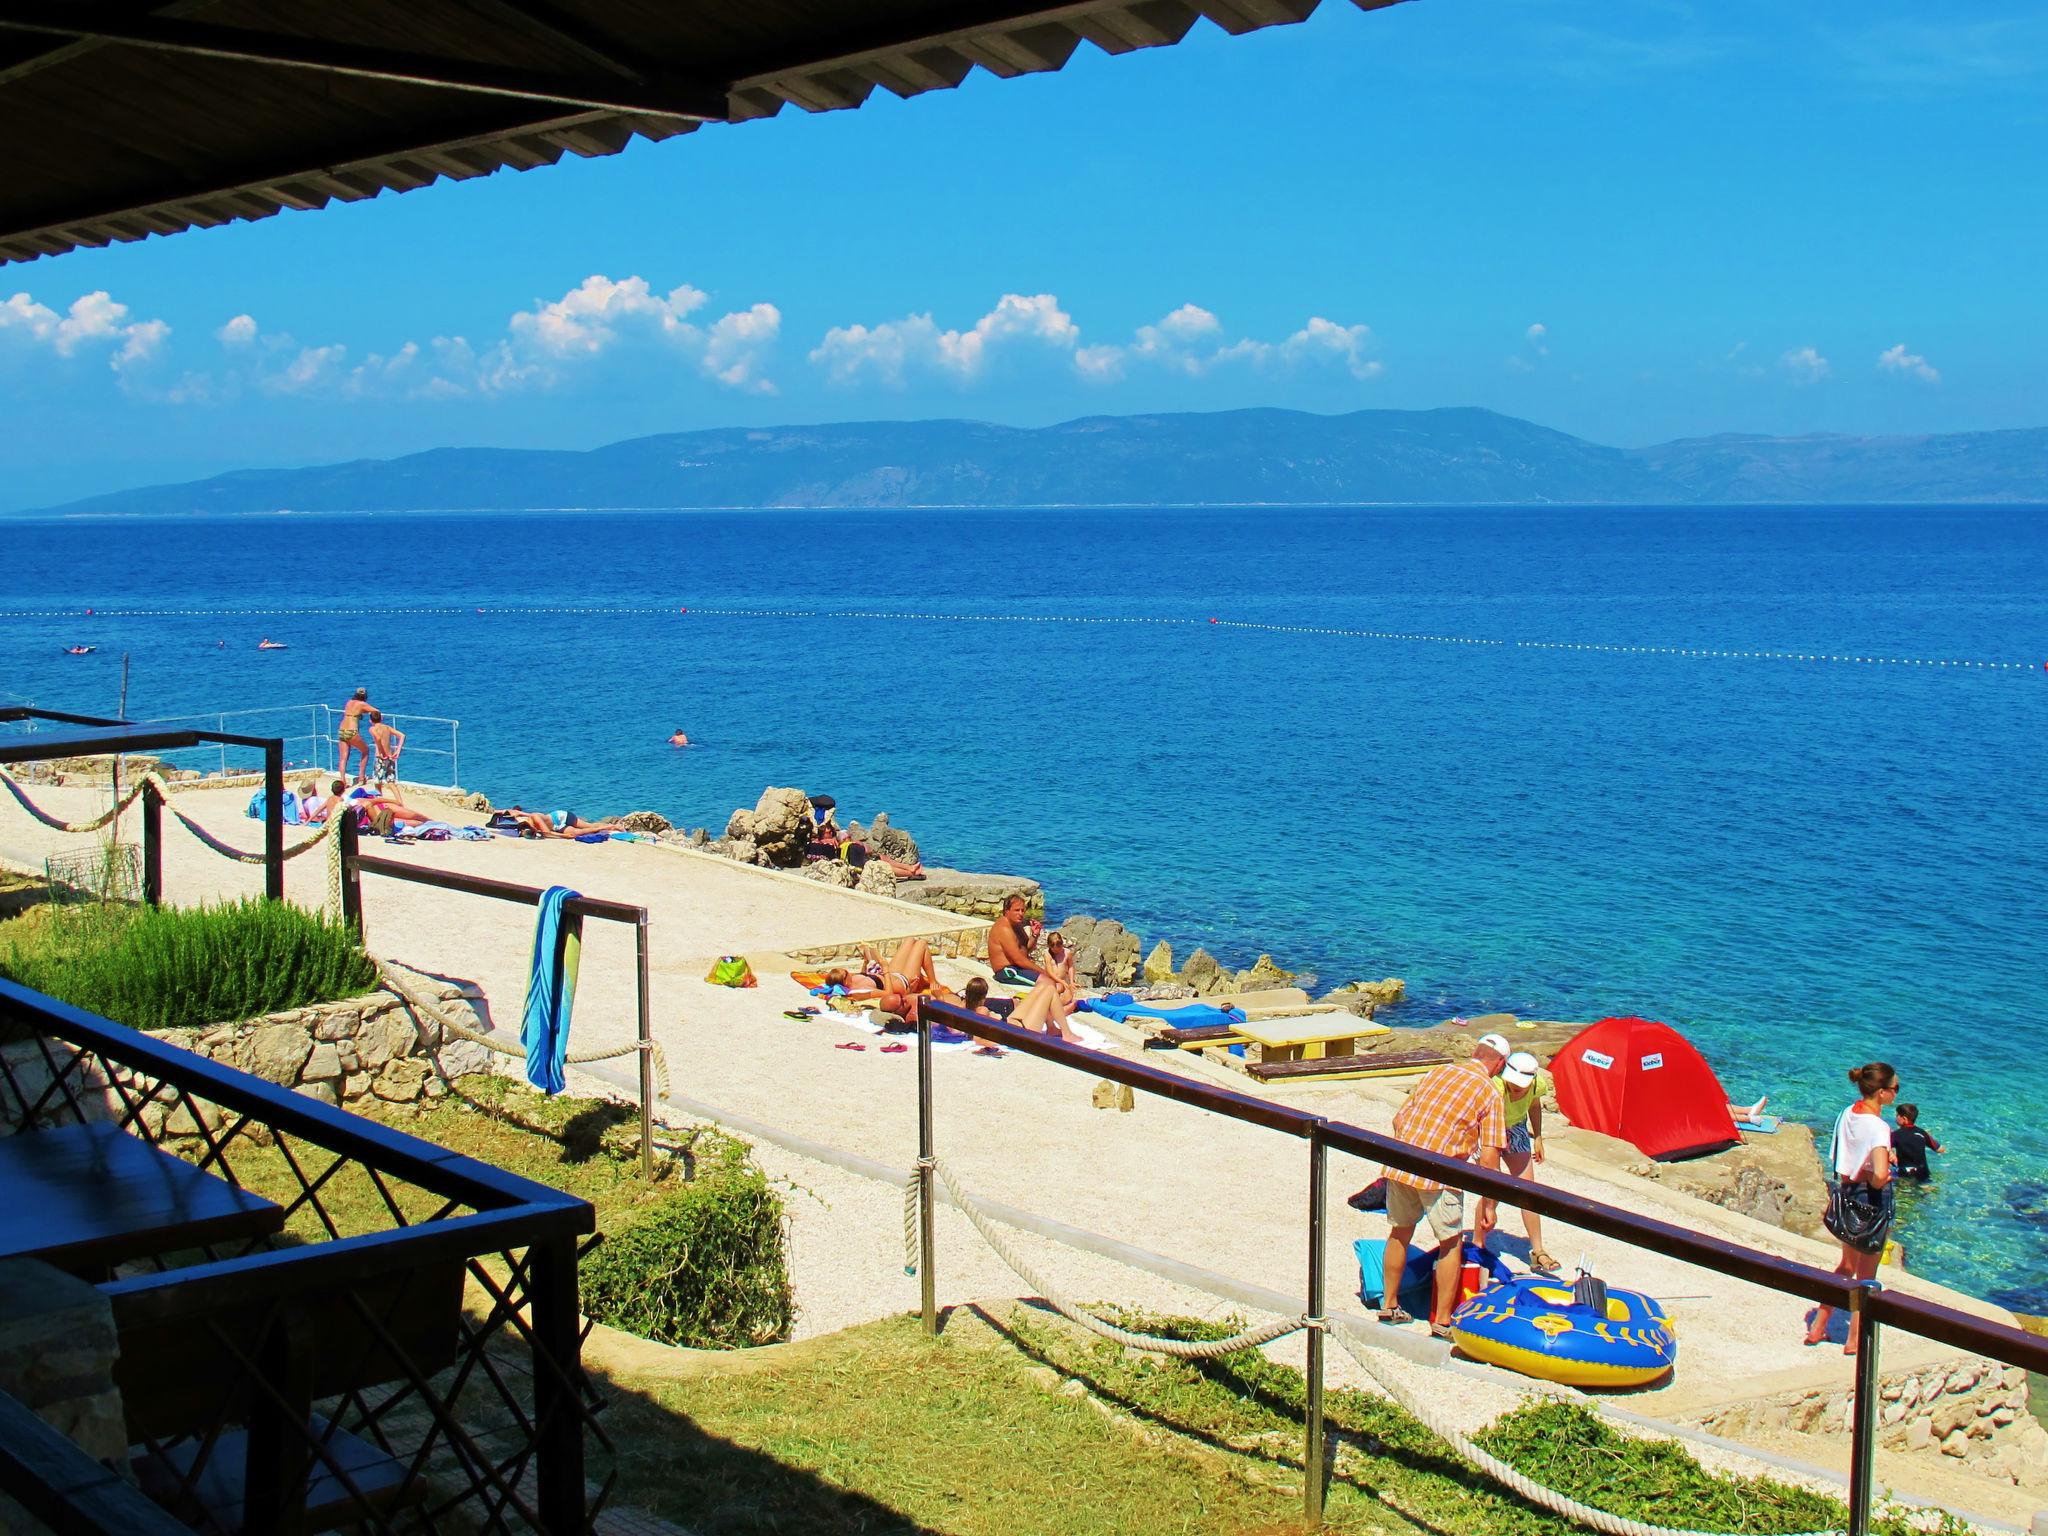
1458,456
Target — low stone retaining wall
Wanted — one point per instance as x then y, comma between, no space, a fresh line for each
971,895
1975,1411
954,943
373,1046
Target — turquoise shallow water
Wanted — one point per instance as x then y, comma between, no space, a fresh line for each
1803,864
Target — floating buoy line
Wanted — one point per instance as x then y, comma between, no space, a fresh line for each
1689,652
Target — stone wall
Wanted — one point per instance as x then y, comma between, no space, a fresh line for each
971,895
57,1351
957,943
1974,1410
373,1046
366,1047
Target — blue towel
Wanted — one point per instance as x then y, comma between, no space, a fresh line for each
1416,1282
1121,1005
550,992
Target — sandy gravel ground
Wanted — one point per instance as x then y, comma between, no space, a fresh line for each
1210,1192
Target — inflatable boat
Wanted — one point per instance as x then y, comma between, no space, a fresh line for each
1583,1336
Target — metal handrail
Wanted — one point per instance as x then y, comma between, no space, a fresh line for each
1875,1304
507,1213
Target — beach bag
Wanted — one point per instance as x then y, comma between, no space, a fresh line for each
731,971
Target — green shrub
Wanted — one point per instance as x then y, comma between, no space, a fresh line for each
704,1265
174,967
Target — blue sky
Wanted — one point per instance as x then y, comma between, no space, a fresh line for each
1632,220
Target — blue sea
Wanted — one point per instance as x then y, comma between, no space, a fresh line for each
1805,864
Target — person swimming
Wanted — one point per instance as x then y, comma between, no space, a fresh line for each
678,739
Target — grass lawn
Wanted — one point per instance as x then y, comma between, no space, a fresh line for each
587,1147
879,1429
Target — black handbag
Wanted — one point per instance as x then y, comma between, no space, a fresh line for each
1859,1215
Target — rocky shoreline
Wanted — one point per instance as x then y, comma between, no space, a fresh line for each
1777,1179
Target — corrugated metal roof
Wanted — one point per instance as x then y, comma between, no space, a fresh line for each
167,118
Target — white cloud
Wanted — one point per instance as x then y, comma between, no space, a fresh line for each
311,369
1325,341
140,344
591,316
737,347
1805,365
238,332
895,349
1187,341
1909,364
94,321
1535,337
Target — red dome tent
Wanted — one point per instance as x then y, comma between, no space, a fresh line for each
1643,1081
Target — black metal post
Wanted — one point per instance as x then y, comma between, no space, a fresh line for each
557,1415
927,1225
646,1038
1316,1447
152,845
278,1461
351,874
273,820
1864,1414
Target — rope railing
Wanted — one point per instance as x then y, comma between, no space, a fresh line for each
1437,1423
1066,1306
163,788
395,982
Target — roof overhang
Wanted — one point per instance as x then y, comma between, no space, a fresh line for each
131,120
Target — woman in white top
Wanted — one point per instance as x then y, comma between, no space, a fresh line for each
1860,1206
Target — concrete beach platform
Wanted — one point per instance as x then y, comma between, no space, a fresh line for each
1177,1182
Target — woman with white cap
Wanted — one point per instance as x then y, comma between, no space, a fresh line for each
1522,1084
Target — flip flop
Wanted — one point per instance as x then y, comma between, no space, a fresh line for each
1396,1317
988,1050
799,1014
849,1045
1440,1331
891,1050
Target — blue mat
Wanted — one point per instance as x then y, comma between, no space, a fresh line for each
1121,1005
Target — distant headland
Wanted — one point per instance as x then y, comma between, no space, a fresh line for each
1262,457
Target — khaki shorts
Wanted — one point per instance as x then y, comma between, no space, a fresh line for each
1445,1208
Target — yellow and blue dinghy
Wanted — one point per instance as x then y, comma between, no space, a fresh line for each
1583,1336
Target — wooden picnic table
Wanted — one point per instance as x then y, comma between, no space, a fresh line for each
86,1198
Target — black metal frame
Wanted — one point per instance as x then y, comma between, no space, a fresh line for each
413,1373
109,738
1869,1301
355,864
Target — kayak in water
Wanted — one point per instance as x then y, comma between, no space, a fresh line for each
80,650
272,645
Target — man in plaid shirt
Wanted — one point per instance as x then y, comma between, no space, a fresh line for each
1454,1110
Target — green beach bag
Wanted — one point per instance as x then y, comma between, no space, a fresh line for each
731,971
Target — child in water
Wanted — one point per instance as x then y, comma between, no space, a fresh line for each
1910,1144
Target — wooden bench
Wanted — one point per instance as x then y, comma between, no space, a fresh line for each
1359,1064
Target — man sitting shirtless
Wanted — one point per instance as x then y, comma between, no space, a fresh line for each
1009,946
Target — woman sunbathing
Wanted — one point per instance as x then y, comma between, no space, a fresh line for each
1046,1011
894,987
554,823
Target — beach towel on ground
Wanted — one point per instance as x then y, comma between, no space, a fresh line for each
1121,1005
291,807
808,979
550,990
